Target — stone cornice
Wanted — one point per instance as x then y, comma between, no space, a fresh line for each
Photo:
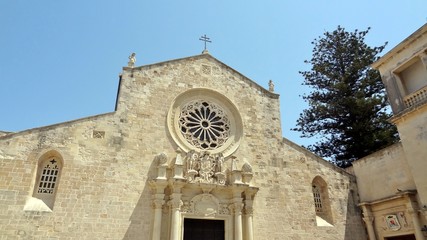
402,45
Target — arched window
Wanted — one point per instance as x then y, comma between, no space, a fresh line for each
47,179
322,206
317,199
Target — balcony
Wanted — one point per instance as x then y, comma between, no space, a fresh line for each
416,98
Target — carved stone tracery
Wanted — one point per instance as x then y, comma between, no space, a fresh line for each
205,120
204,124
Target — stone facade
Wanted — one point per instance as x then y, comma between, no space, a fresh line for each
393,182
140,171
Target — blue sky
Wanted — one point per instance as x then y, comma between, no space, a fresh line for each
60,60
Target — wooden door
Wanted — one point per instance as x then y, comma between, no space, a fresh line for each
201,229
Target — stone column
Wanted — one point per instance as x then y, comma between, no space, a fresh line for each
236,207
175,203
158,187
417,226
157,222
237,210
249,196
412,209
248,220
369,225
369,219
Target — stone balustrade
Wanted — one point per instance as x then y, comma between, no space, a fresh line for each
416,98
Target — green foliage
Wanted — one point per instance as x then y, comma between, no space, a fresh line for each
347,106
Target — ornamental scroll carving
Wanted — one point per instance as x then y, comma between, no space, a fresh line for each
202,167
205,205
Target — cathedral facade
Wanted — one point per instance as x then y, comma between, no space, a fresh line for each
193,150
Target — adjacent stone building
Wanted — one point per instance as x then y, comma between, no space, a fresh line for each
392,182
193,150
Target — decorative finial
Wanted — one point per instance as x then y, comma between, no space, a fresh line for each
271,86
205,39
234,163
132,60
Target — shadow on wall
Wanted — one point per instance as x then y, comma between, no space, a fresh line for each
142,215
354,223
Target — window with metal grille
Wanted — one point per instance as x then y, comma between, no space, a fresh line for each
48,177
317,199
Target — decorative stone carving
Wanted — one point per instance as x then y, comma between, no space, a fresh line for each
224,209
236,174
403,219
161,161
247,167
236,207
234,161
204,205
178,167
204,124
132,60
392,222
247,172
271,86
175,203
368,219
204,120
249,210
158,203
205,168
186,208
249,207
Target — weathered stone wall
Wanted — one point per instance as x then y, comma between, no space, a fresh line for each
388,167
285,206
103,192
413,133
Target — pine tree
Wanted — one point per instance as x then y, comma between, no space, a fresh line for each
348,106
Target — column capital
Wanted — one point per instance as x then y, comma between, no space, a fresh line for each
158,203
249,210
236,207
158,200
368,219
412,211
249,207
175,203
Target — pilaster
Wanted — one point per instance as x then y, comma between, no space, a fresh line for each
412,209
158,187
175,204
369,220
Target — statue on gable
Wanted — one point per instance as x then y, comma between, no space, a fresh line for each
132,60
271,86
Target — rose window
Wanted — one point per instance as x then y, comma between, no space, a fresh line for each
204,124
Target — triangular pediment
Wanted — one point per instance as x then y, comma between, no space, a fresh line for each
211,59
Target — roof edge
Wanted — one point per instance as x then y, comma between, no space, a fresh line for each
318,158
420,31
205,55
48,127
